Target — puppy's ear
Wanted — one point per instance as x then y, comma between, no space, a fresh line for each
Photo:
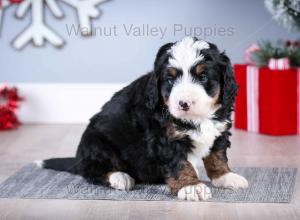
161,57
152,87
152,91
229,85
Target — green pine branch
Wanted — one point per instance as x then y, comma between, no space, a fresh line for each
280,50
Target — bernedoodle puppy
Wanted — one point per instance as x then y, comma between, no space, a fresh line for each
161,127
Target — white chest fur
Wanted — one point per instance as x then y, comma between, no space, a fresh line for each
203,140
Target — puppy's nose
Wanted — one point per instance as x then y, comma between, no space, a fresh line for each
184,106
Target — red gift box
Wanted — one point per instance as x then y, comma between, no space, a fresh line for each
268,100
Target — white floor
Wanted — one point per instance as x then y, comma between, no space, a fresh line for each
32,142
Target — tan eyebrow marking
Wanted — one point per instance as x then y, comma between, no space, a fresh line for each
172,71
200,68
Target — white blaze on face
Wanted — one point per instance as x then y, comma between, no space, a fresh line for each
185,54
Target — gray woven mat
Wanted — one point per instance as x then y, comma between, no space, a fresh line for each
271,185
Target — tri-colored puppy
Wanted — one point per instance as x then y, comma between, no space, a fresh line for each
161,127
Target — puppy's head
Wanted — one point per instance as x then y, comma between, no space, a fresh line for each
195,79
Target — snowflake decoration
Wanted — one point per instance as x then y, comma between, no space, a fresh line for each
38,31
286,12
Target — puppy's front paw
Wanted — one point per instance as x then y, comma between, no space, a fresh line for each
121,181
230,180
194,192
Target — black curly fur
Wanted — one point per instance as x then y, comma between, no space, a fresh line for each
130,132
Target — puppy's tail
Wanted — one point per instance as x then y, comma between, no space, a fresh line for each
67,164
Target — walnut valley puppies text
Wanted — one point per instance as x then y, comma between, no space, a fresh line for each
148,30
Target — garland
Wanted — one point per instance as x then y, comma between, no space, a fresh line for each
9,103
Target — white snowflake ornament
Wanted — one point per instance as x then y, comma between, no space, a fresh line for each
86,9
38,31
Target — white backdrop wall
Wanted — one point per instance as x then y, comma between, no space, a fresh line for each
72,83
231,24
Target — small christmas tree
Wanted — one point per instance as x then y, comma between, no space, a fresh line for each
286,12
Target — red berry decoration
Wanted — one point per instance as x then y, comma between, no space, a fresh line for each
9,103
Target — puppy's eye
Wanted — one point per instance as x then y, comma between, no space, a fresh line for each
170,80
200,69
203,77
